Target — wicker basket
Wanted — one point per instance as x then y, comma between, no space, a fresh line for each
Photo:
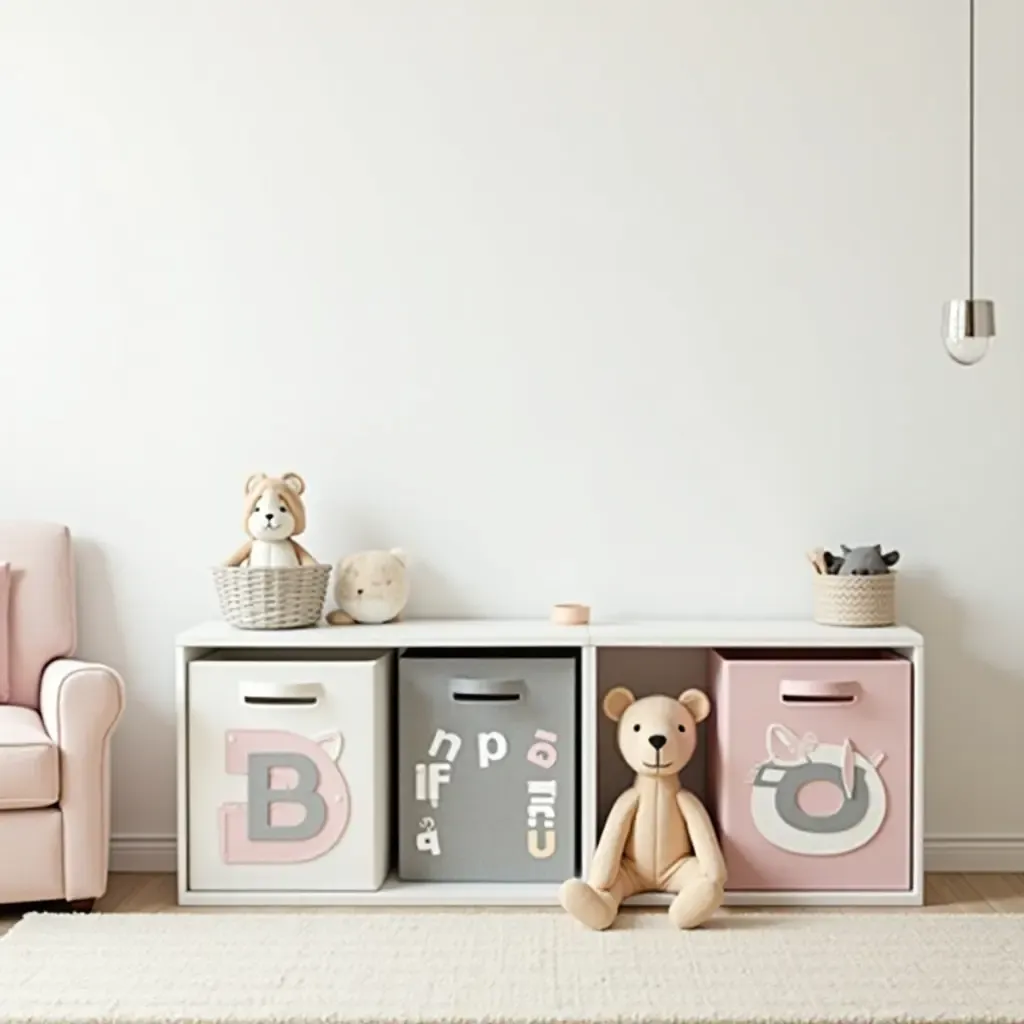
855,600
285,598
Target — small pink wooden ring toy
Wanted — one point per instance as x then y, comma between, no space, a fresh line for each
570,614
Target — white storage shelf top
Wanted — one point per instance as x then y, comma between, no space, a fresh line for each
540,633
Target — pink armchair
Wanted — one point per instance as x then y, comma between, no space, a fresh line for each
57,715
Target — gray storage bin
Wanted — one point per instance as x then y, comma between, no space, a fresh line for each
487,768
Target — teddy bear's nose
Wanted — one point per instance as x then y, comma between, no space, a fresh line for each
657,741
269,515
359,591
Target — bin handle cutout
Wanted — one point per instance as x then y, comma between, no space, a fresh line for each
815,691
487,691
280,694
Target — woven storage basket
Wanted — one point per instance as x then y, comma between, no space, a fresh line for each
284,598
855,600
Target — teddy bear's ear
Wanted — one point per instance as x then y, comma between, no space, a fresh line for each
616,701
294,482
254,481
399,555
697,703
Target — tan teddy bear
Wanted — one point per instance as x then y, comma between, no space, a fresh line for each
274,516
658,836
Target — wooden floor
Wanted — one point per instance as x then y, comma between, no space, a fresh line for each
967,894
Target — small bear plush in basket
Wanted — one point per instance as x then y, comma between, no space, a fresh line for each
856,587
274,517
867,560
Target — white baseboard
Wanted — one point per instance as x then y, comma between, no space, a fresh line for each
156,854
143,854
974,853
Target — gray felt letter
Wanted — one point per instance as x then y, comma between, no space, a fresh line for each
262,797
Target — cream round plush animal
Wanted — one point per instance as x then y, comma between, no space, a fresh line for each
370,587
658,836
274,517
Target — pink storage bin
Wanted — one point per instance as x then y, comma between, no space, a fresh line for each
810,769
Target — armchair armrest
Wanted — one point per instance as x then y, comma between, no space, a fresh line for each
80,704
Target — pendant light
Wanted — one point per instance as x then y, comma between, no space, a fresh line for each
969,325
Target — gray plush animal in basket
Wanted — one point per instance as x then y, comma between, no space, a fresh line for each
868,560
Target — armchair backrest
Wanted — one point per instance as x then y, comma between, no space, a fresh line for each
41,608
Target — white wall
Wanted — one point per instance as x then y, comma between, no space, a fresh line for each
574,299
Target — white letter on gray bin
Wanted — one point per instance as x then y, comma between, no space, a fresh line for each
454,743
262,797
484,741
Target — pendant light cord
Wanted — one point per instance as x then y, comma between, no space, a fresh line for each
970,161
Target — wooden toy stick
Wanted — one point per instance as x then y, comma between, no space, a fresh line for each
817,559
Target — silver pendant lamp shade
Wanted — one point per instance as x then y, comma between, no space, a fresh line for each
969,325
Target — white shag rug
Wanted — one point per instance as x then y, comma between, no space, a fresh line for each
520,966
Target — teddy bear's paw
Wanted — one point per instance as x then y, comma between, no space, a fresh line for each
339,618
696,903
595,909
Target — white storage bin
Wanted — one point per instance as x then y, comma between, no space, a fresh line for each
288,771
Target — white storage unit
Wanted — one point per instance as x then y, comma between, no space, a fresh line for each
215,660
288,772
